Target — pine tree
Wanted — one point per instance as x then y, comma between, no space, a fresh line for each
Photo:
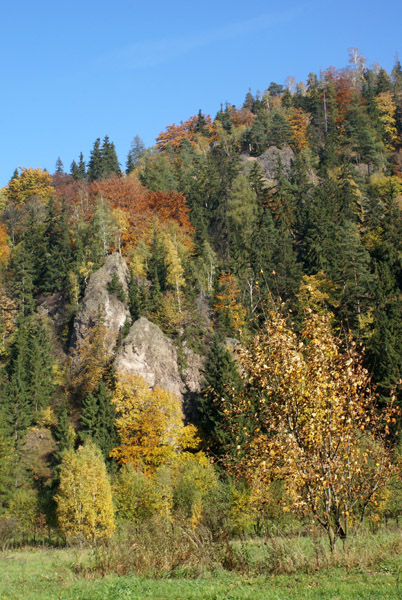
18,398
40,365
385,342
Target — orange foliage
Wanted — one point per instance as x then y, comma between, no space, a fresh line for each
170,206
243,116
344,92
175,134
298,121
128,195
133,201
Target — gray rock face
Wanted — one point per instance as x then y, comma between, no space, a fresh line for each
147,352
99,302
269,160
192,373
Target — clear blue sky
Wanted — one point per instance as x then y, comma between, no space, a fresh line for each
74,71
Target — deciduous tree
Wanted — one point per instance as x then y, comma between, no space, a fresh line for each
316,426
149,423
84,500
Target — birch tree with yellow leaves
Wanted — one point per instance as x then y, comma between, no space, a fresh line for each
84,500
316,429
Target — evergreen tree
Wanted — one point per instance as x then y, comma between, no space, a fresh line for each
135,300
158,174
21,270
59,166
95,166
57,257
137,150
279,132
63,432
385,341
109,162
81,167
40,365
222,379
19,408
98,420
157,270
74,170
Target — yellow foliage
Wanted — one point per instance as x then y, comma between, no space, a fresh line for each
318,292
91,357
4,247
84,500
149,423
138,496
229,304
386,107
299,121
321,434
28,185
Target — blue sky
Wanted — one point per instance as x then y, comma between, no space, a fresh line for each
74,71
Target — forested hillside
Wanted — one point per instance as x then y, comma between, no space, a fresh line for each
266,245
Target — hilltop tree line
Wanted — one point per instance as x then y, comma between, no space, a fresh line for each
309,249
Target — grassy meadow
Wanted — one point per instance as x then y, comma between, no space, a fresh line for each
368,567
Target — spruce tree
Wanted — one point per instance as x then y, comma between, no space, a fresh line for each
98,420
95,166
63,432
81,167
57,255
221,378
137,149
59,166
109,162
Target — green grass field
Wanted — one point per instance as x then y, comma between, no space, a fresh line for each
44,574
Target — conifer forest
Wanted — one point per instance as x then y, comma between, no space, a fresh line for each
207,337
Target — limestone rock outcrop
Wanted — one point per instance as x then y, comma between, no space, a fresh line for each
99,302
147,352
269,161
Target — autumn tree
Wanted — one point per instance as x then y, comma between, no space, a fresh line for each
299,121
4,247
90,358
29,184
315,423
386,108
84,500
228,303
149,423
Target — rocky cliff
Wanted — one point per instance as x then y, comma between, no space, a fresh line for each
99,302
146,350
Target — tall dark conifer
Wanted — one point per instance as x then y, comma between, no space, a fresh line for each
95,167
